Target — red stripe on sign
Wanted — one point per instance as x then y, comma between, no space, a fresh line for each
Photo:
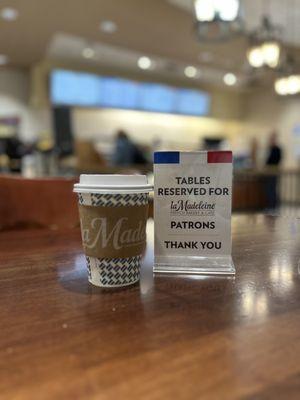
219,157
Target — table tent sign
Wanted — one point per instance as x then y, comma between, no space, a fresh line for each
192,212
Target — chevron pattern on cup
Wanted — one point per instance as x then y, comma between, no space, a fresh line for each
80,198
116,200
113,200
115,271
88,264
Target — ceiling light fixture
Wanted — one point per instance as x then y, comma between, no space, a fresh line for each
144,62
208,10
205,10
228,9
265,49
255,57
190,71
88,52
3,59
217,19
271,53
288,85
230,79
9,14
267,53
108,26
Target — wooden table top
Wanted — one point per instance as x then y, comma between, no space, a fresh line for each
167,338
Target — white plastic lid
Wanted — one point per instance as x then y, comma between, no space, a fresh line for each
112,183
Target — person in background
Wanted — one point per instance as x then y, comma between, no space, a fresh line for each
273,161
15,150
274,151
126,152
253,153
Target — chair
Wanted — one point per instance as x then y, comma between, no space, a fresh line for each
44,203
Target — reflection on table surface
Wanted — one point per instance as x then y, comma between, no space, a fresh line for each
194,336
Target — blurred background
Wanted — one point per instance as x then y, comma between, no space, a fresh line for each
97,86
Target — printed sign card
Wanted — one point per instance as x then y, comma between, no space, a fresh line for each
192,212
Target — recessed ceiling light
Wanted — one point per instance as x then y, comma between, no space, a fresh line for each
144,62
9,14
3,59
88,52
229,79
108,26
190,71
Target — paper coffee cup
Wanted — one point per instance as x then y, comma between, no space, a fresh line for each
113,213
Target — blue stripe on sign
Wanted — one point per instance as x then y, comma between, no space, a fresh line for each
166,157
